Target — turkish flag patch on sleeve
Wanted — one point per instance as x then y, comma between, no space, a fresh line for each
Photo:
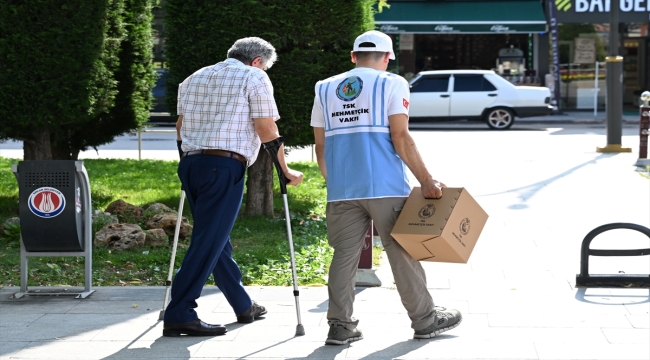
405,103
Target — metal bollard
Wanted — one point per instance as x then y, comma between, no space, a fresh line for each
365,261
365,273
644,130
584,279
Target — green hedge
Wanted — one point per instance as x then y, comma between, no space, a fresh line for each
51,54
133,74
313,40
66,64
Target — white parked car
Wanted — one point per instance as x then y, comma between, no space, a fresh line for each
474,95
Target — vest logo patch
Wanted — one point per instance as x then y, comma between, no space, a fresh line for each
350,88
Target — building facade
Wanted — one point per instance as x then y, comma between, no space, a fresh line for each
512,38
502,35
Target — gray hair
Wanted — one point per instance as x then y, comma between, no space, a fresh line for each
247,49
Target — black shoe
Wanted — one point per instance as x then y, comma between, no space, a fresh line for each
253,312
193,328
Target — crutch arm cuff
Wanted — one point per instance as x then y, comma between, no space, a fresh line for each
274,143
179,143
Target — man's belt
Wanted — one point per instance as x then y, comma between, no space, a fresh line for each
213,152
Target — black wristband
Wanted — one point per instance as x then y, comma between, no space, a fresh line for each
180,149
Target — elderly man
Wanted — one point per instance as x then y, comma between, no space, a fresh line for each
226,111
364,112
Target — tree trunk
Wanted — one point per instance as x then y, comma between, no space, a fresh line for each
74,155
38,148
259,186
64,153
60,153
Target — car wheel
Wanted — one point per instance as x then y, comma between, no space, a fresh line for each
499,118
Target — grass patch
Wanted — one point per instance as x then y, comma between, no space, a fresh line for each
260,244
377,251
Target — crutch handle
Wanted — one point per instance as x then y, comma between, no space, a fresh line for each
272,148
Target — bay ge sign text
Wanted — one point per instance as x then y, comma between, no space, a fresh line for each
579,11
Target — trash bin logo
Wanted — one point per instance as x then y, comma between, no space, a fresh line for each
46,202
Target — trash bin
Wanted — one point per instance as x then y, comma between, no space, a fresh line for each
55,217
50,206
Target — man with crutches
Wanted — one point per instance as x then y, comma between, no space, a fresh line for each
226,112
360,121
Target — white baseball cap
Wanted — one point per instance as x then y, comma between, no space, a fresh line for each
381,42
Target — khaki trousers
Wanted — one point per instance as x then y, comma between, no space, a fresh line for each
347,224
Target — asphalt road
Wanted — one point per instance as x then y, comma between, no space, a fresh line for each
475,137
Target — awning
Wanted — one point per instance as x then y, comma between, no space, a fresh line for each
476,17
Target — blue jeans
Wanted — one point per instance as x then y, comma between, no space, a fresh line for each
214,186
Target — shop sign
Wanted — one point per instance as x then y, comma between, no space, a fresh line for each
444,29
467,28
593,11
584,51
511,52
555,52
389,29
500,29
406,42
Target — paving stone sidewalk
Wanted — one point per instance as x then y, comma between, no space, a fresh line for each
544,190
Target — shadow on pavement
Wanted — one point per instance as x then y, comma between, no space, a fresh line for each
525,193
161,347
604,298
325,352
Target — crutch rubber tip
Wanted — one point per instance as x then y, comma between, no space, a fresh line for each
300,330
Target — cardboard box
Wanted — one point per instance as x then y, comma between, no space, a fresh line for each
440,230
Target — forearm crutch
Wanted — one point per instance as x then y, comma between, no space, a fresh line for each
177,231
272,148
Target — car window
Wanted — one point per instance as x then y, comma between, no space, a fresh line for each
161,79
487,85
160,89
465,83
431,84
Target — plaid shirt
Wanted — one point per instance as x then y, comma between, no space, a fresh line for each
219,103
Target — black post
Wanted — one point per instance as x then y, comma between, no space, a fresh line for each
614,82
555,38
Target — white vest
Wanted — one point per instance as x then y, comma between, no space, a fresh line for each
361,160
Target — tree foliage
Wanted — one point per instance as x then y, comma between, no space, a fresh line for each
66,64
313,40
133,75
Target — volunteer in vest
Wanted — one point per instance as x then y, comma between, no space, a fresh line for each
363,145
226,111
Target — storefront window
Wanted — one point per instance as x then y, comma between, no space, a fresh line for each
583,71
423,52
579,86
